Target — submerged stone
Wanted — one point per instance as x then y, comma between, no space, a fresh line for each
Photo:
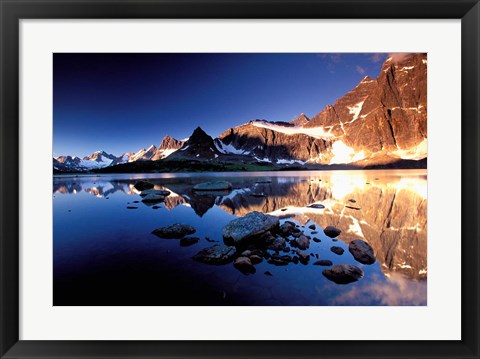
160,192
337,250
244,265
188,241
332,232
213,186
343,273
217,254
153,198
143,185
362,251
174,231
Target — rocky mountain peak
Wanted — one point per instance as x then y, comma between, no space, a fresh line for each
199,135
199,146
169,143
301,120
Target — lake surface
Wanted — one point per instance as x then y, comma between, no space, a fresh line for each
105,253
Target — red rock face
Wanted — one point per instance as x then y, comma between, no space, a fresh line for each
383,117
169,143
266,143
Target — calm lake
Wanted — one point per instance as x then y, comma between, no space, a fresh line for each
105,253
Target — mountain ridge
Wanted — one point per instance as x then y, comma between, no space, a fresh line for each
377,123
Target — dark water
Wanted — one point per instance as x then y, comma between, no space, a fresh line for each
105,254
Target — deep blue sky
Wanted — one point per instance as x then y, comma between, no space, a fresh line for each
125,102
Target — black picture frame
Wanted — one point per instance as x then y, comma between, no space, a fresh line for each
14,10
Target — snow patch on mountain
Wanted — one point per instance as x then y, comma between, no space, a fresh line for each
355,110
344,154
317,132
225,149
415,153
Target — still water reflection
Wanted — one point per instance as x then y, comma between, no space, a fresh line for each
105,254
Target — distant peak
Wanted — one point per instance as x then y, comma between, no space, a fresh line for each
199,135
198,131
300,120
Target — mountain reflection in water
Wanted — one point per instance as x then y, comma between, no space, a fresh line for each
387,209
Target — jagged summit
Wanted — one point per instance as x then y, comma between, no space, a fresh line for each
301,120
199,146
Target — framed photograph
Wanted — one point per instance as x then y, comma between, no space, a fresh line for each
229,178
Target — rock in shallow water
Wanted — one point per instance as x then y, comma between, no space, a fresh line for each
174,231
244,265
337,250
217,254
213,186
153,198
362,251
160,192
188,241
303,242
332,232
256,259
143,185
323,262
343,273
316,206
251,225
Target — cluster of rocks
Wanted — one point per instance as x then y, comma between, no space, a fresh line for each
248,240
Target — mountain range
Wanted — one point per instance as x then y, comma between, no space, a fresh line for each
379,122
